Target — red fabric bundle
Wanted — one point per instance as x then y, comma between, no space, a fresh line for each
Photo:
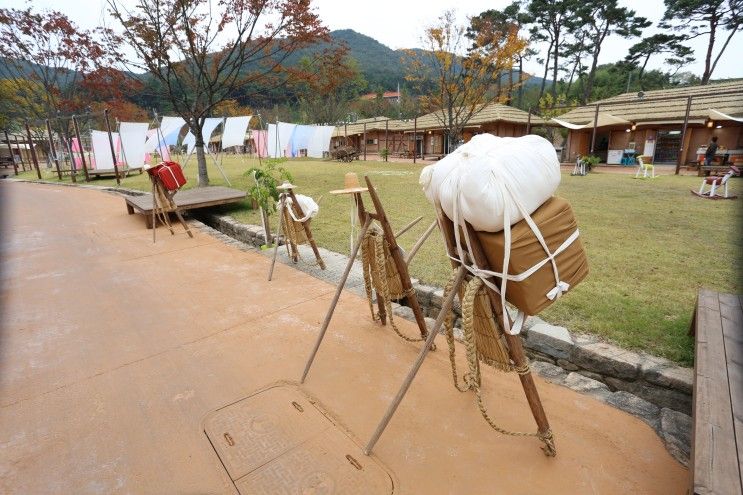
170,174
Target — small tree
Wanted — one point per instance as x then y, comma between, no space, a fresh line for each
697,18
463,79
203,52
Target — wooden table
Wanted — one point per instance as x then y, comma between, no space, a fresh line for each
189,199
716,457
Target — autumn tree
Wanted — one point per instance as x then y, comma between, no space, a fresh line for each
500,23
600,19
705,18
202,52
462,74
18,100
49,50
326,83
677,55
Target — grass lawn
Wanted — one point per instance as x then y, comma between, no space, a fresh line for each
651,244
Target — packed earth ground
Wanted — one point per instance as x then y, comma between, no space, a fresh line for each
651,244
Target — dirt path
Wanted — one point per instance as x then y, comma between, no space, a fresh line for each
113,351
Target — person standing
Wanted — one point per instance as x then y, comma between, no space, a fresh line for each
709,155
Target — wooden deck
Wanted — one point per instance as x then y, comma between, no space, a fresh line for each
190,199
718,395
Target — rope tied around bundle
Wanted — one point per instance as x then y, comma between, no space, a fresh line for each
483,343
381,276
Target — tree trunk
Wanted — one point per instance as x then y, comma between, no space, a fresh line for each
546,71
203,174
521,82
710,46
555,57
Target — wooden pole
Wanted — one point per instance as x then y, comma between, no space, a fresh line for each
338,291
52,149
528,122
80,148
362,215
364,141
683,134
516,350
396,253
73,174
345,134
10,150
420,242
282,205
20,153
415,136
445,308
33,151
386,132
515,347
593,133
308,232
407,227
113,150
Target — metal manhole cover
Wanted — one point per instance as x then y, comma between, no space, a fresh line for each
278,442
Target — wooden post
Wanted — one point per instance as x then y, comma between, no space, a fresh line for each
397,258
113,150
338,291
33,151
20,153
364,141
52,149
345,134
445,308
595,121
386,131
415,136
362,214
683,134
308,232
515,347
10,150
80,147
516,350
282,205
66,137
528,122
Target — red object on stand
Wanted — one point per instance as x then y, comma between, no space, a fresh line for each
170,174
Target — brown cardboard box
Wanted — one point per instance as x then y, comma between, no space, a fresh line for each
556,222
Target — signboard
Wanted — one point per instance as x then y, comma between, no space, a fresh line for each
614,157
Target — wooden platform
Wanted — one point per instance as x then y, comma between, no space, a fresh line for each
716,459
190,199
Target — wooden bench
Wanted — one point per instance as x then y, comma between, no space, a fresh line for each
188,199
717,436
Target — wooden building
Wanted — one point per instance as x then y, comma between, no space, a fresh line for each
671,125
424,135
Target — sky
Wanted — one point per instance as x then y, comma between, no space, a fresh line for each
400,24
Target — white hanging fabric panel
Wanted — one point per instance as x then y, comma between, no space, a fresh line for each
234,132
285,134
133,136
169,130
102,149
271,144
320,141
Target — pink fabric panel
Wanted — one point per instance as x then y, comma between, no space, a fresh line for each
76,160
260,138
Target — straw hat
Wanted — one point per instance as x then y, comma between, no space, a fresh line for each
351,183
286,185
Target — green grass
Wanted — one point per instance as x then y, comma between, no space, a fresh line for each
651,244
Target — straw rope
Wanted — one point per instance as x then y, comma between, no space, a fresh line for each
380,274
483,343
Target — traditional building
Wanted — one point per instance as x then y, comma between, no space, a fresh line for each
671,125
424,135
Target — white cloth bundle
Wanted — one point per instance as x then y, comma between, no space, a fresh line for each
484,174
308,205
